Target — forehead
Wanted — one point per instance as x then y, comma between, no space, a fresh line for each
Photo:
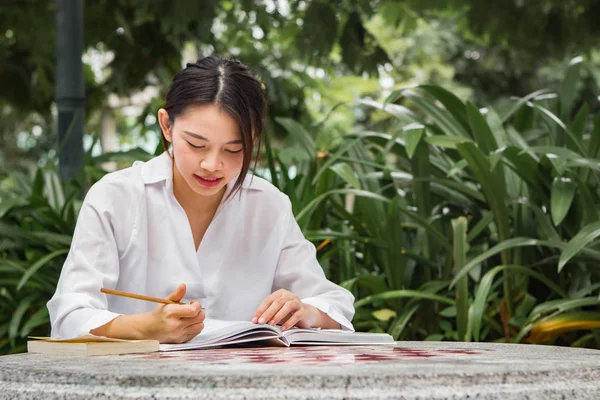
209,121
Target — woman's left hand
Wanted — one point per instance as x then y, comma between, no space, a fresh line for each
285,307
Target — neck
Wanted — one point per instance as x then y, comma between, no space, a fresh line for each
192,201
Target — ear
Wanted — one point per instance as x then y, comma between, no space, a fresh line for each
165,124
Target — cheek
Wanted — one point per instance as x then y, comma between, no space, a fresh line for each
236,163
182,156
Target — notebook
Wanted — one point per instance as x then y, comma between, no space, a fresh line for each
223,333
90,345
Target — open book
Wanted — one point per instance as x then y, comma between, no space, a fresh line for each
216,333
90,345
221,333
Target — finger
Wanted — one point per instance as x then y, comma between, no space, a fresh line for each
270,312
197,306
194,328
178,293
181,310
192,331
266,303
195,319
293,320
288,308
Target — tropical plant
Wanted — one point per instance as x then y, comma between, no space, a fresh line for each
447,221
459,223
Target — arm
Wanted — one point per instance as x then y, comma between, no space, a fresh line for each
323,303
104,226
171,323
93,260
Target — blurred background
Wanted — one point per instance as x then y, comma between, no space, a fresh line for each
443,157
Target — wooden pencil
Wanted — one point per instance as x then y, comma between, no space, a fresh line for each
138,296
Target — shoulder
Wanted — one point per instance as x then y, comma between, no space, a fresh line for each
118,189
264,195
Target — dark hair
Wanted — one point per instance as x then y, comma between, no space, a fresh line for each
228,84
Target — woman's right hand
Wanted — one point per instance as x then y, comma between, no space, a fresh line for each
173,323
167,323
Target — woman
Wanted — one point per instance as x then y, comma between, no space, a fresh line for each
192,224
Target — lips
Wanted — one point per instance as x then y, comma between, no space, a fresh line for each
208,181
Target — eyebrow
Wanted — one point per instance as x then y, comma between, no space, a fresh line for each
195,135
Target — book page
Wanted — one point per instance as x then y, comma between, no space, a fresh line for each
335,336
218,332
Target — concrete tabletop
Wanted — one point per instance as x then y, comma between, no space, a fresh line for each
410,370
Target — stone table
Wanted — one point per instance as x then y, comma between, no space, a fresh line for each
410,370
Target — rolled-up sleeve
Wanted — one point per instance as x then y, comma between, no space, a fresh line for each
299,272
78,306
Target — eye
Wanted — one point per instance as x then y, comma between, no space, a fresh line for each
195,147
234,151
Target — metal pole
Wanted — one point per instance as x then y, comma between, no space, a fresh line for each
70,95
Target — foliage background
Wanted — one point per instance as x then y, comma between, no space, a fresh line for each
444,161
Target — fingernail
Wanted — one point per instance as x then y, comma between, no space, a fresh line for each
261,321
254,320
272,322
282,328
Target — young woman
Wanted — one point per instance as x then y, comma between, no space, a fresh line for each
192,225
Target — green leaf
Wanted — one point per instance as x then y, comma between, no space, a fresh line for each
594,144
557,151
480,226
493,186
459,228
521,102
579,123
39,264
448,142
555,307
399,294
543,221
552,118
412,138
397,327
40,317
18,314
528,168
562,194
586,235
300,134
384,314
373,283
450,102
483,290
481,130
345,171
289,155
505,245
441,117
326,234
316,201
335,157
568,89
402,113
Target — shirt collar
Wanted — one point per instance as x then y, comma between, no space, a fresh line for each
160,168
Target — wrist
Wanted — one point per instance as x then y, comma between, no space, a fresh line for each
141,326
320,319
315,316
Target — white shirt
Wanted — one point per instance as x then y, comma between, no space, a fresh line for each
133,235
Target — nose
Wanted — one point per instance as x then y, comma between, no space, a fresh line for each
211,161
